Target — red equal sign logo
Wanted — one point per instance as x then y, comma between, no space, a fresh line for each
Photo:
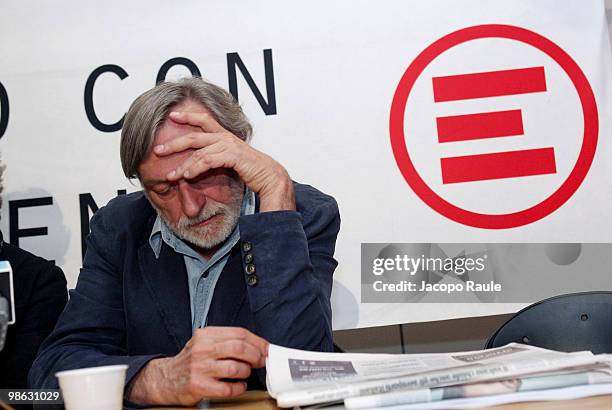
496,124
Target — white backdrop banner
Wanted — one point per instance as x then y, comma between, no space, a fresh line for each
440,121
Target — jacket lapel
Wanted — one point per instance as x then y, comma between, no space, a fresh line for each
230,292
166,279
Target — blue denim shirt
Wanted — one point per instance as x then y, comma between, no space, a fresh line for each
202,274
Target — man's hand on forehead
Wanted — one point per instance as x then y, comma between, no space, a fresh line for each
215,147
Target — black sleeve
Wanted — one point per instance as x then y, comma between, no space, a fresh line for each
40,297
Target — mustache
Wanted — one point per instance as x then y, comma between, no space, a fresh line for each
205,213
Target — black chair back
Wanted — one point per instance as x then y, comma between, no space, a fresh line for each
578,321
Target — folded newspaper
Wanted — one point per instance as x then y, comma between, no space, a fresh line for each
303,378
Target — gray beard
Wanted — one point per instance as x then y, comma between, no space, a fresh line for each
213,233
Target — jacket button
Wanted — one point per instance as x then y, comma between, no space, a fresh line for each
252,280
248,258
250,268
247,246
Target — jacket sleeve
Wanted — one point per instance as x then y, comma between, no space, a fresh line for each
289,283
37,314
91,330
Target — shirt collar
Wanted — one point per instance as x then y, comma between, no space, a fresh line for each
161,232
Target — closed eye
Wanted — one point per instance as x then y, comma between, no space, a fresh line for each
164,190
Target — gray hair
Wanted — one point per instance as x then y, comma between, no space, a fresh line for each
148,112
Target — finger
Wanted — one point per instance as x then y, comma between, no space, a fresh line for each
203,161
217,388
197,163
239,350
231,369
192,140
205,121
237,333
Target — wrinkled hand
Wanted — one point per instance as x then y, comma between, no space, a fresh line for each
216,147
200,370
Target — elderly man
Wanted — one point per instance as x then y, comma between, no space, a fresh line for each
188,280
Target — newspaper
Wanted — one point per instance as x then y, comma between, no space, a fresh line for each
481,389
301,378
563,393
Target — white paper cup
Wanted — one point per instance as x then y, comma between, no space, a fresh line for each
93,388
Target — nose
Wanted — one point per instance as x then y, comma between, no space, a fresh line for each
192,201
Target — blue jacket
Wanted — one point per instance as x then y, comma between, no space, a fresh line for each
129,307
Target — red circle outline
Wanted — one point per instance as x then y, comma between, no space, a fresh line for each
494,221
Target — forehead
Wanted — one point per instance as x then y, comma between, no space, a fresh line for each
154,167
